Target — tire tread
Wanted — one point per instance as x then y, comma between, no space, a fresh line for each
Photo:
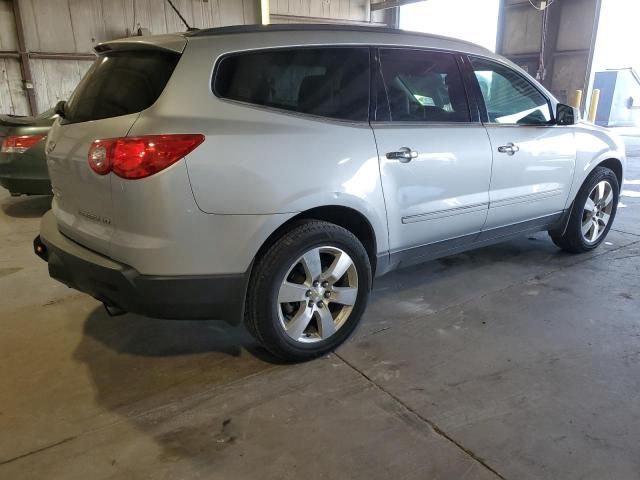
271,260
571,240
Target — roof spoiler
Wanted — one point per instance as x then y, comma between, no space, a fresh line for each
172,42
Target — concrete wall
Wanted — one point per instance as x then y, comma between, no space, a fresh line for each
568,50
76,26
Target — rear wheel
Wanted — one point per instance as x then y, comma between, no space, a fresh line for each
593,213
308,291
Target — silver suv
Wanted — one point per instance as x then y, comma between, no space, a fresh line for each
270,173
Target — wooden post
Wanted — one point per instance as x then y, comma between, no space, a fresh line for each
265,12
25,67
593,106
576,100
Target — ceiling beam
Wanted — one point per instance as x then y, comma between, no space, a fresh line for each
49,55
9,54
386,4
306,19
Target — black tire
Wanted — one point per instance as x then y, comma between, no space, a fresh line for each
272,267
572,239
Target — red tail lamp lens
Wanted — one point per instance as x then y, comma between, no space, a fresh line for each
20,144
140,157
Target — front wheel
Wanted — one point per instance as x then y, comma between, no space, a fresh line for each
308,291
593,212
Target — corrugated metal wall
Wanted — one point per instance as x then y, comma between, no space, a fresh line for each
75,26
13,99
288,11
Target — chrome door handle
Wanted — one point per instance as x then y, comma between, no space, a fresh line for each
405,155
509,148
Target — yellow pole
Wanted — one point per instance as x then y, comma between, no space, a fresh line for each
264,11
576,101
593,106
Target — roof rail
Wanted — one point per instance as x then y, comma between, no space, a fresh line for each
315,27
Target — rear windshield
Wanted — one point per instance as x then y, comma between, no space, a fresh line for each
120,83
329,82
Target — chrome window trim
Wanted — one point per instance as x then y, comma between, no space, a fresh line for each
527,125
388,123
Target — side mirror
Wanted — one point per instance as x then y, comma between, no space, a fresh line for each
566,115
60,108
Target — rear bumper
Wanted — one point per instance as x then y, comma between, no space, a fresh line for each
219,297
26,172
28,186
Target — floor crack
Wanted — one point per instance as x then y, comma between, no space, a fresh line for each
439,431
434,426
33,452
626,233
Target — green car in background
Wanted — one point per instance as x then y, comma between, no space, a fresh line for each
23,164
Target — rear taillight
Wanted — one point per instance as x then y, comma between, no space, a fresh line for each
100,156
140,157
20,144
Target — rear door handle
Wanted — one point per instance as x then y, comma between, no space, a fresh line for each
405,155
509,148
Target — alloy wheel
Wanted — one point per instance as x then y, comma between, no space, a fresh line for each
597,211
317,295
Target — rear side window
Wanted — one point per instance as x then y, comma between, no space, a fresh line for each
423,86
120,83
329,82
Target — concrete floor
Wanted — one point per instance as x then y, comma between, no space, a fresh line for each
515,361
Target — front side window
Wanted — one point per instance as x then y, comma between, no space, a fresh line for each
509,97
329,82
423,86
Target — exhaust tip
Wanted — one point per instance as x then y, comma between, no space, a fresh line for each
40,249
113,311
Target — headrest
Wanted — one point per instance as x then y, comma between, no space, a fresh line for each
315,95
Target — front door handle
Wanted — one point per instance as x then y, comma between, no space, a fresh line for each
509,148
405,155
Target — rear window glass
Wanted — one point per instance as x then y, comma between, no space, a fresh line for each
330,82
120,83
